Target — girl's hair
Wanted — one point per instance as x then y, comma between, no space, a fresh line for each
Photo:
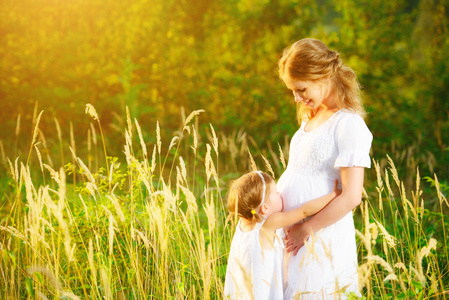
245,195
310,60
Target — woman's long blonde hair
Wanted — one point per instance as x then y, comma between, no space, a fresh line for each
309,60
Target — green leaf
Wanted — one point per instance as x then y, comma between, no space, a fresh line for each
29,286
12,257
418,285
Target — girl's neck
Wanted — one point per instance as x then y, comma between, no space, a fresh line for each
247,225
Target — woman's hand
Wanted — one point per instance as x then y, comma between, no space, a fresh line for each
296,236
350,197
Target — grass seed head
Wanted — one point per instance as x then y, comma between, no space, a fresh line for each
158,138
192,115
90,110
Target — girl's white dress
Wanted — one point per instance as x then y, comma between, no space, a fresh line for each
254,273
328,261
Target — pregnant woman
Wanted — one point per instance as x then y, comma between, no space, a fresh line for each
333,142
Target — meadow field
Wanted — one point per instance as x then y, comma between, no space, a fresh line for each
123,123
152,223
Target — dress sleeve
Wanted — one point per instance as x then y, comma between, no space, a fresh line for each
353,140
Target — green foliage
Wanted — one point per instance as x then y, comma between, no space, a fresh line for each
155,57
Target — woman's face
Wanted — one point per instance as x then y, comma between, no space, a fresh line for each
312,93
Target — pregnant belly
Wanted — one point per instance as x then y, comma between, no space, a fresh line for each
296,189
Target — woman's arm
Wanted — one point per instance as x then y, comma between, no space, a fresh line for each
284,219
350,197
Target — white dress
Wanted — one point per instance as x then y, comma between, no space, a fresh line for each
328,262
254,273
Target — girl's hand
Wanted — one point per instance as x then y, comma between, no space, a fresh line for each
296,236
335,189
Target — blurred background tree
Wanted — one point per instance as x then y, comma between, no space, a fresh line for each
157,56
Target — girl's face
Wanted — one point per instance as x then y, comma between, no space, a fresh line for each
312,93
274,203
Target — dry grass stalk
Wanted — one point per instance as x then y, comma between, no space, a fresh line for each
54,175
89,148
91,188
208,162
379,260
72,141
192,115
48,274
195,140
281,156
418,192
366,241
14,170
142,142
2,151
183,169
35,133
441,197
210,213
39,157
379,187
86,211
57,211
85,170
153,160
104,277
129,122
173,142
158,138
214,139
187,128
117,207
58,129
424,252
268,166
112,227
389,238
61,189
17,132
192,206
127,147
380,202
91,111
94,133
210,166
144,239
13,231
253,163
143,174
394,172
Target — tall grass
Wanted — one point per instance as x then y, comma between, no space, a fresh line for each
153,224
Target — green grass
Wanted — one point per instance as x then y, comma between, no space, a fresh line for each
153,224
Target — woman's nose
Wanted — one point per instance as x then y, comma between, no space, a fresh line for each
297,96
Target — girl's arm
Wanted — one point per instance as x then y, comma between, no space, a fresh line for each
284,219
350,197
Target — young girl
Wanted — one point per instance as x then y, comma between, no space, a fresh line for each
255,262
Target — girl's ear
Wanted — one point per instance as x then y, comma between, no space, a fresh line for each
264,209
